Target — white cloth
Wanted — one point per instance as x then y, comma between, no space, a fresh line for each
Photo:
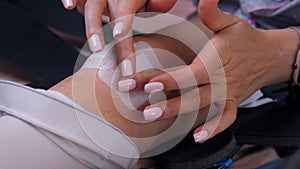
256,100
57,120
23,146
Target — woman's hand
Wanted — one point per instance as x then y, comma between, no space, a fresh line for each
237,61
121,12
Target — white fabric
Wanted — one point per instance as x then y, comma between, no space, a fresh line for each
58,120
109,72
256,100
23,146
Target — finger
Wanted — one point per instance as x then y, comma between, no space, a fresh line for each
126,57
139,80
69,4
217,124
189,76
93,19
213,17
81,6
160,5
122,13
188,102
143,78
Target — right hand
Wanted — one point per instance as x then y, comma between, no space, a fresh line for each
116,10
237,61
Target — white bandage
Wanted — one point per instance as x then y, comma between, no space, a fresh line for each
109,71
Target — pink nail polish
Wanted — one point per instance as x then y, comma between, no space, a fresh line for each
95,43
152,113
68,3
154,87
118,29
201,136
126,85
126,68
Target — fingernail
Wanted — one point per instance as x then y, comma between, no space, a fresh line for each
126,68
154,87
118,29
200,136
152,113
95,43
126,85
67,3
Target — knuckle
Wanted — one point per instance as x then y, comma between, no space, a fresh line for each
141,76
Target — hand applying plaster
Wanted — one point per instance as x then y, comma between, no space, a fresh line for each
237,61
121,14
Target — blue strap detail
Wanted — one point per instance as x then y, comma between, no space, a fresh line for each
225,163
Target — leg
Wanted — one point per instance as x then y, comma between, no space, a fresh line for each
94,95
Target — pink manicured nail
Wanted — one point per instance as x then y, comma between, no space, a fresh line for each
200,136
95,43
154,87
126,68
127,85
118,29
67,3
152,113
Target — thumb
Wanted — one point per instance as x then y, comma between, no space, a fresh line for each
213,17
160,5
217,124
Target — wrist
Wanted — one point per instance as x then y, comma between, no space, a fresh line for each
288,43
296,66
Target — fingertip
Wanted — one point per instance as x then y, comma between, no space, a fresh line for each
123,19
68,4
126,85
144,77
206,8
126,57
126,67
118,29
213,17
95,43
122,26
162,6
207,4
167,80
217,124
154,87
93,11
200,135
152,113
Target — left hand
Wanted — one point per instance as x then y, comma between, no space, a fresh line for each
249,59
121,14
